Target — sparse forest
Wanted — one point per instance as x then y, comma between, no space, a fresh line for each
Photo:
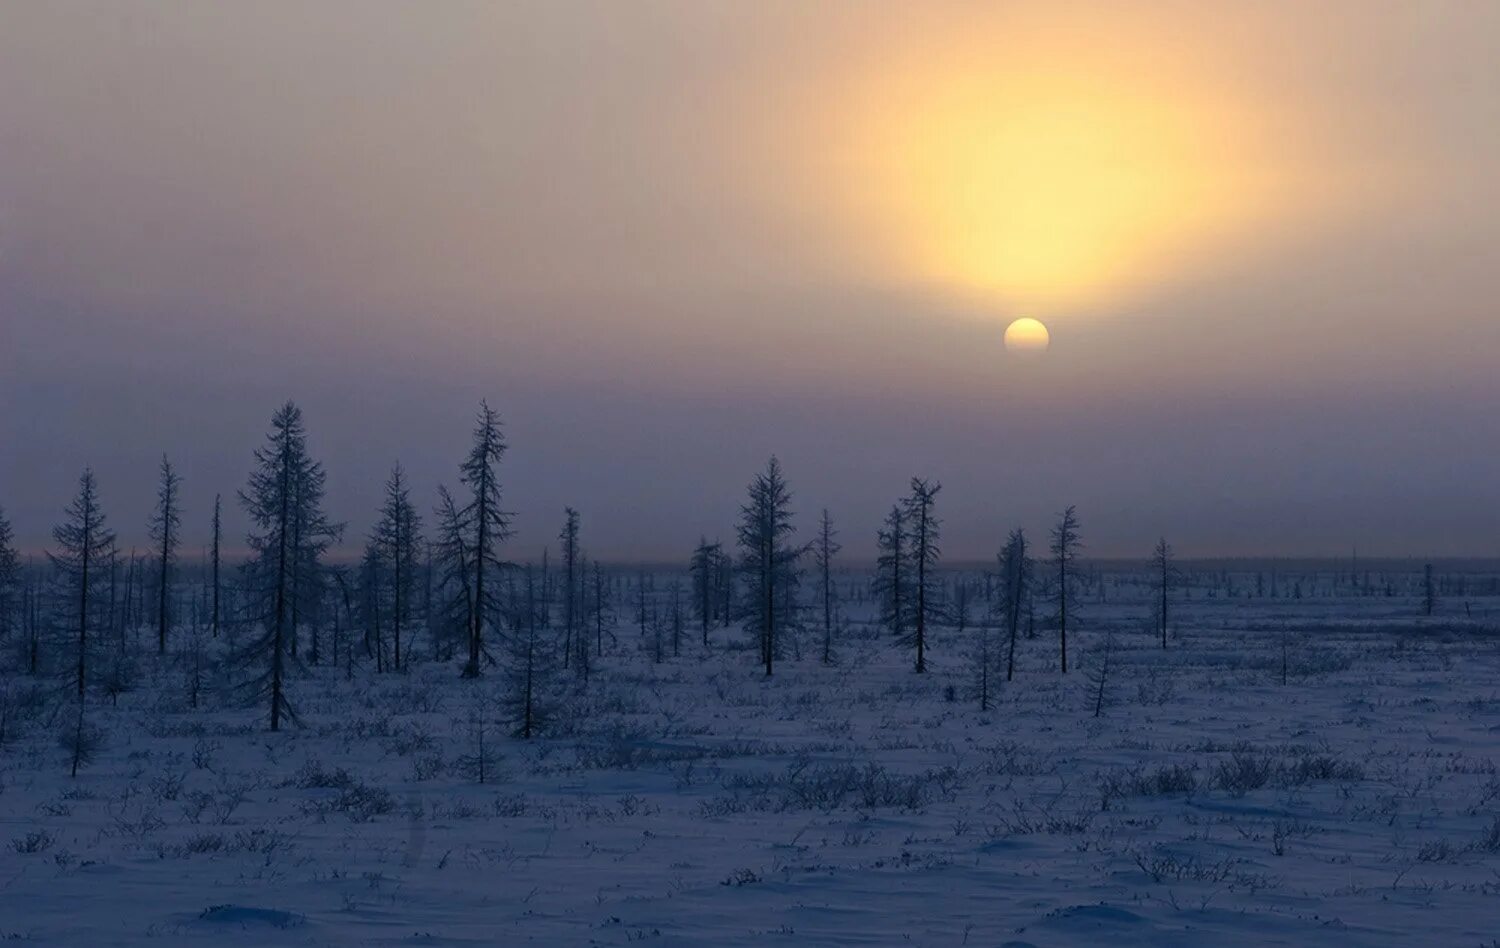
203,709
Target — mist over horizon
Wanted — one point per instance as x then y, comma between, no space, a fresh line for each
667,241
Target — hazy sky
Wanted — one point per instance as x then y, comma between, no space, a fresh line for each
668,239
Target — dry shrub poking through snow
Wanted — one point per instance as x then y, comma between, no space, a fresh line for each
35,841
1243,772
1308,768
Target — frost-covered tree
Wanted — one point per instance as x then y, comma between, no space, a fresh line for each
283,499
85,545
397,539
165,524
490,526
768,563
1065,545
925,531
891,582
825,548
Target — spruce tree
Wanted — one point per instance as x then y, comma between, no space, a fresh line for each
1065,544
825,548
768,563
490,525
925,531
283,499
397,537
85,545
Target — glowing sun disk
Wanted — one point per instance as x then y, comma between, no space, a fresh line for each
1027,335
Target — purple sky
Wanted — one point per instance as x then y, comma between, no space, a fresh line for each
668,239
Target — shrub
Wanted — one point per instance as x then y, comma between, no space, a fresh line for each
1308,768
1243,772
33,842
1489,839
312,775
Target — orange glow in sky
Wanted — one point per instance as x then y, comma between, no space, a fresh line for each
1046,168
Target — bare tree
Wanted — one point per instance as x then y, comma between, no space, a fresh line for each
676,619
164,531
194,670
31,613
724,583
483,761
215,562
573,638
602,614
1429,591
984,650
340,576
10,571
1099,674
82,741
1015,580
890,583
85,545
825,548
526,671
1166,576
925,533
1065,545
491,524
455,576
641,615
703,569
371,589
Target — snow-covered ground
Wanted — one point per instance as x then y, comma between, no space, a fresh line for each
695,802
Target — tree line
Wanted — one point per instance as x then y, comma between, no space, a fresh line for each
440,587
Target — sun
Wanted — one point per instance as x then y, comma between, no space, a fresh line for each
1027,335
